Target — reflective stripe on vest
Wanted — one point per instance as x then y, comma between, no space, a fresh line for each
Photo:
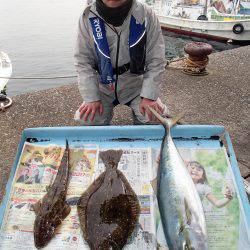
137,31
102,50
137,48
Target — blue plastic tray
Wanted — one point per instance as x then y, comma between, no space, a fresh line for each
199,136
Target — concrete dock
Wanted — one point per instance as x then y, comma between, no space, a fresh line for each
220,98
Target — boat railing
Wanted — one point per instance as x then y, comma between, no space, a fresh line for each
218,16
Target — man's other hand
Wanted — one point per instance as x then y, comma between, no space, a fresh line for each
151,103
90,108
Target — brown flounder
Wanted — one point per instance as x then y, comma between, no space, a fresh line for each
52,208
109,209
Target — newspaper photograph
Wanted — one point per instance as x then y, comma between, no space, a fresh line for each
211,173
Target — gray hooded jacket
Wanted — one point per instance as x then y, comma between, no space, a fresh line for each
129,85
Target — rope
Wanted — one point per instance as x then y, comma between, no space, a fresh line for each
5,104
188,65
37,78
246,176
195,66
182,63
247,186
172,63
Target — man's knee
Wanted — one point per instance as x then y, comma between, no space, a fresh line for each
95,122
140,118
98,120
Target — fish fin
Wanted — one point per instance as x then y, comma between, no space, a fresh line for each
66,211
135,206
154,185
36,207
57,221
167,122
188,212
67,153
48,188
131,195
181,229
111,155
83,202
181,221
133,201
73,201
91,189
32,207
126,183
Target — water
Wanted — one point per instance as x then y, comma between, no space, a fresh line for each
175,43
39,37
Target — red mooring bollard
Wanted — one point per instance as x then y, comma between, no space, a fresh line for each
197,59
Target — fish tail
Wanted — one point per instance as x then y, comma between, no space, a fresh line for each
167,122
111,156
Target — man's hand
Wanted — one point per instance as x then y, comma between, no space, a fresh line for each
90,108
153,104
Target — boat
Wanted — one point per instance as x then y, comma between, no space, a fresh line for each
5,70
218,20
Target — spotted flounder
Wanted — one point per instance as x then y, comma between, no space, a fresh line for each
52,208
180,206
109,209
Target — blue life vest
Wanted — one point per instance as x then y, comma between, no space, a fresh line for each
137,48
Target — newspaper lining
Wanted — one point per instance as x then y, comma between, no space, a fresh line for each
37,169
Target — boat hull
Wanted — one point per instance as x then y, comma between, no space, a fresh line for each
214,30
5,70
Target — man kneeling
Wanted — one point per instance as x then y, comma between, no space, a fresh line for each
120,59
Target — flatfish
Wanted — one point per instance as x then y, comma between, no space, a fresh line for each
52,208
109,209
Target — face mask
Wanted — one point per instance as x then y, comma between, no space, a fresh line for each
114,16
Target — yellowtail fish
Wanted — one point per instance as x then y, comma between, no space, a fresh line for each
179,202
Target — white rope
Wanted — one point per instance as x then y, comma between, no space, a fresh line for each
37,78
4,104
